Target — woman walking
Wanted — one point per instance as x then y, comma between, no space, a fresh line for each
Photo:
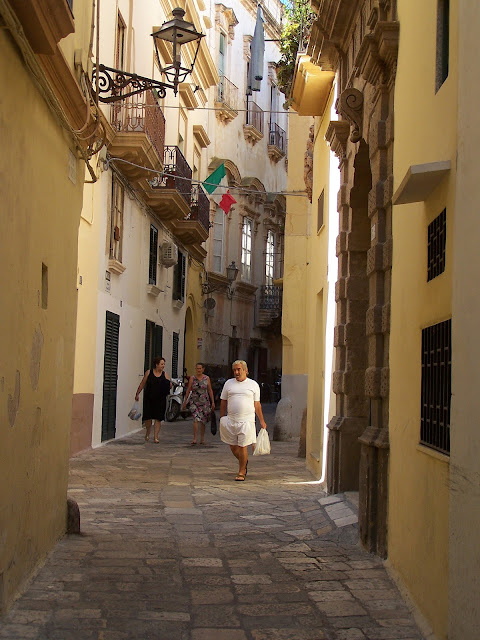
201,402
157,387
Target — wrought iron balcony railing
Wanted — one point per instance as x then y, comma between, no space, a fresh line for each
200,210
277,137
177,173
271,297
254,116
227,93
133,116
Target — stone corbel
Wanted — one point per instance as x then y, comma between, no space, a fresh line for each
350,105
337,136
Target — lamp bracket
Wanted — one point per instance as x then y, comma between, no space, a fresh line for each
113,82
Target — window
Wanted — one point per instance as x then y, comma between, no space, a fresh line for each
153,343
44,286
179,272
436,386
273,104
175,355
437,237
246,262
116,219
221,55
320,210
443,44
120,43
152,262
270,259
218,240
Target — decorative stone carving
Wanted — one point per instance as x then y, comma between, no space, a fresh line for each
308,166
377,56
225,17
350,105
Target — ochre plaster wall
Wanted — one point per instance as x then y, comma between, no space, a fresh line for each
425,131
40,215
317,296
464,548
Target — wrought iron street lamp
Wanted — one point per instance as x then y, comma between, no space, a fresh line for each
115,84
232,272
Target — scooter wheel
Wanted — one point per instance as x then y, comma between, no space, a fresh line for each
172,412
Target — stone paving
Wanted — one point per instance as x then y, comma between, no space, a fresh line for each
173,549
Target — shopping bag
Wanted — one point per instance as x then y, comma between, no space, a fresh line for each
135,413
213,423
262,448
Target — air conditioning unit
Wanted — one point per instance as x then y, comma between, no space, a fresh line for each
168,254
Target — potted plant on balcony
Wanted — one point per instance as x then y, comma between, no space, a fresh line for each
295,34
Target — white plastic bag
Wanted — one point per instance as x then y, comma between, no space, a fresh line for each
262,448
135,413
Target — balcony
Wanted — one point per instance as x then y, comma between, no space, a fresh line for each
195,228
270,305
254,123
226,104
139,135
170,194
277,142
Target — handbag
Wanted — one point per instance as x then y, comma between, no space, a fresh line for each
135,413
213,422
262,448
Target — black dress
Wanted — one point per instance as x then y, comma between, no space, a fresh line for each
155,396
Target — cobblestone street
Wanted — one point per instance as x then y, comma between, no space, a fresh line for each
173,549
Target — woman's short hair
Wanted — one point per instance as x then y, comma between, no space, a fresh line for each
200,364
242,363
157,360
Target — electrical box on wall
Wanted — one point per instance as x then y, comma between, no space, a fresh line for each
168,254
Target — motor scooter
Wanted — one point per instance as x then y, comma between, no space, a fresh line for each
217,386
174,400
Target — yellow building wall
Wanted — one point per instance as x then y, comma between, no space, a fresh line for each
194,339
425,131
295,261
39,218
464,556
317,295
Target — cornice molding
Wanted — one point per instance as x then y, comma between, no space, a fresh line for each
337,135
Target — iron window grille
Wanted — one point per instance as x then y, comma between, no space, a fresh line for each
436,386
437,238
152,261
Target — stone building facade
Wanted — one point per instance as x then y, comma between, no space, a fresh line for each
360,43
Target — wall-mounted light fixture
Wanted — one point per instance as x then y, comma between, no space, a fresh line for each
232,272
115,84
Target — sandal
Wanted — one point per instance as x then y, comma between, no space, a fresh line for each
147,438
193,443
240,477
156,441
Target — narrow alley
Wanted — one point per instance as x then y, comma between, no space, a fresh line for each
173,549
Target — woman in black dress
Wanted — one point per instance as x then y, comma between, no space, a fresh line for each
157,387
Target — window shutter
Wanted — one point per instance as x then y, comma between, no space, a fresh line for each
148,345
175,355
157,341
152,264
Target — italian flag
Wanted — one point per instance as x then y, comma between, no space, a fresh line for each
222,196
